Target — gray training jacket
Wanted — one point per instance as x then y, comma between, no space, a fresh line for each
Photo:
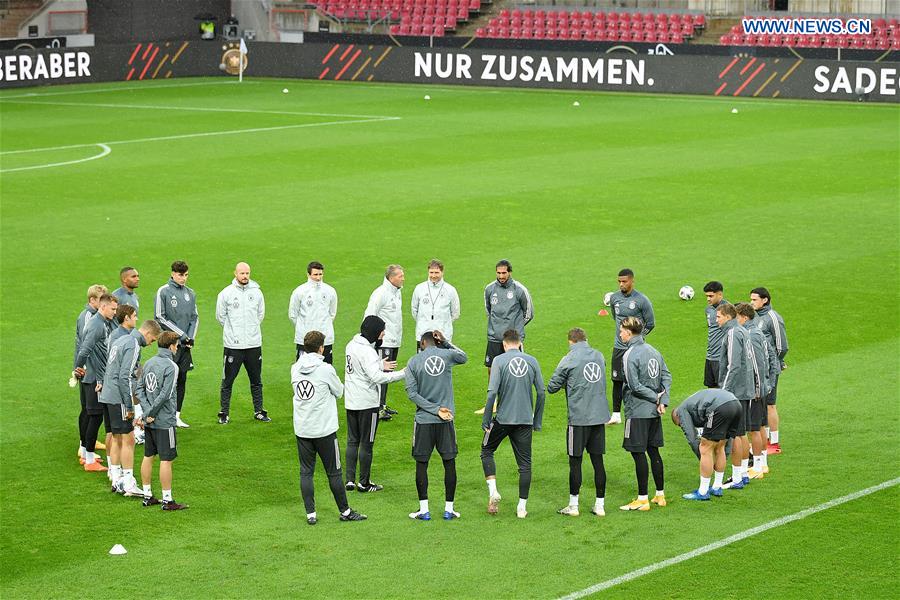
120,380
126,297
634,304
429,381
765,363
736,362
156,390
647,380
176,309
583,374
697,411
508,306
714,333
80,323
513,375
772,325
94,349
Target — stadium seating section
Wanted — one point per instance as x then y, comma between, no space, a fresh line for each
408,17
885,35
594,26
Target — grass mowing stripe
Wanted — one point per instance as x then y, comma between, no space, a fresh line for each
599,587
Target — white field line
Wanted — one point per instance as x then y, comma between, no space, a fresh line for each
124,88
198,109
105,151
203,134
599,587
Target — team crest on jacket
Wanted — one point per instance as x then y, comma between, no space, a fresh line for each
434,365
187,297
509,295
309,301
174,302
494,299
426,301
518,367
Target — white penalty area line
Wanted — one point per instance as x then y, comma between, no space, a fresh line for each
199,109
599,587
122,88
105,149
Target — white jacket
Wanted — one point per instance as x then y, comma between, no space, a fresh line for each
240,309
313,308
386,302
435,307
316,390
363,375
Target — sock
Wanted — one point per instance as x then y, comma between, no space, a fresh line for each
81,451
492,487
642,498
757,462
423,506
704,486
773,436
765,458
717,482
115,471
736,473
128,473
448,506
660,493
573,500
109,462
522,502
745,466
148,491
311,515
598,504
89,457
178,415
617,415
346,512
167,495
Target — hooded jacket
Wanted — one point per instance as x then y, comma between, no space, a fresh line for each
435,307
582,372
313,307
119,382
80,323
363,374
240,310
429,382
94,349
771,324
386,302
736,362
316,390
156,390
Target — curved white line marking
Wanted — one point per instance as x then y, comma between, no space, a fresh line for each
106,150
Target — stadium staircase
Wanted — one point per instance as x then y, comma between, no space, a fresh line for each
715,28
13,13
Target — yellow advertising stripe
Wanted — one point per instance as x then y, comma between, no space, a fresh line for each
776,94
360,70
791,70
180,50
381,58
763,86
160,66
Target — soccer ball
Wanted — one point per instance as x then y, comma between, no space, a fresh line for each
686,292
606,298
138,435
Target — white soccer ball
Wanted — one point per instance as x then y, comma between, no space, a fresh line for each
138,435
686,292
285,91
607,298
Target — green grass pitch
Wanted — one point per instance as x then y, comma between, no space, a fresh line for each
801,197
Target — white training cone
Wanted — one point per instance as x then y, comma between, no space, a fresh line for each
118,549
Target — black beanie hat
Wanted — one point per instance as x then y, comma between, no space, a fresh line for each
371,328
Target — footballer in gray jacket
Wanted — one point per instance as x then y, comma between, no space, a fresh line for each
582,372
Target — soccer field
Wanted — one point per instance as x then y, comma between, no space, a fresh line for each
800,197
